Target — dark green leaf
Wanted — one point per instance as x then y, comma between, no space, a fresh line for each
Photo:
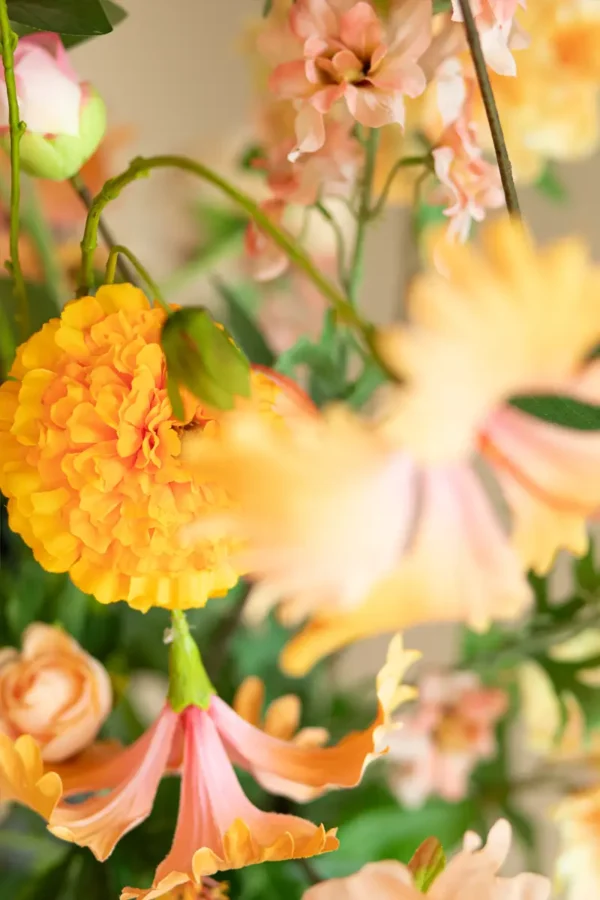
565,678
441,6
71,609
115,13
560,410
267,6
42,307
550,184
243,328
66,17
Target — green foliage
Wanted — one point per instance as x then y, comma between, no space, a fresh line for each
242,326
550,184
325,361
390,832
74,20
42,307
560,410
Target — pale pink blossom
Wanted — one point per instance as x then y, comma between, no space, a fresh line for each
303,180
345,51
472,184
49,90
470,875
499,32
443,737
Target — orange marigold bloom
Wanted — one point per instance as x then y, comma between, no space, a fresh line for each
89,457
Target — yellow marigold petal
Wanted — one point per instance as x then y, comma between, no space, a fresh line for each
22,777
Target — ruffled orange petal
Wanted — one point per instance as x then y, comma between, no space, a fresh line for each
22,777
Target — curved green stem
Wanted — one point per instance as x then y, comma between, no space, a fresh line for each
82,191
9,42
111,271
189,685
491,110
404,162
357,261
141,167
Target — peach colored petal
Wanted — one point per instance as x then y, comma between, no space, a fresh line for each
386,880
217,827
476,578
98,823
461,324
324,508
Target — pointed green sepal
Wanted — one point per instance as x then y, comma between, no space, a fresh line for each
189,685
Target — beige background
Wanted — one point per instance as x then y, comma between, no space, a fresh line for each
173,70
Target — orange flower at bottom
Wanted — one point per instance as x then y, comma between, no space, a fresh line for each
218,828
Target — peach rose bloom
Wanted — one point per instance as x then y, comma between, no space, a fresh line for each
54,691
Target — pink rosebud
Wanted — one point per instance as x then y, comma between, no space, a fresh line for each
65,117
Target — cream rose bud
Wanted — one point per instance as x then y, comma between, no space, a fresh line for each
54,691
65,118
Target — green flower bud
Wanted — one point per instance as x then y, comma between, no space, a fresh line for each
428,862
61,156
202,357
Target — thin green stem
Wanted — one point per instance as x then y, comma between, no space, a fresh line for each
9,42
364,209
35,226
404,162
86,198
111,271
491,110
536,640
141,167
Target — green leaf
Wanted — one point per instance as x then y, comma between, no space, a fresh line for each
550,184
441,6
71,609
565,678
560,410
115,13
243,328
68,17
202,357
42,307
371,378
396,833
427,215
